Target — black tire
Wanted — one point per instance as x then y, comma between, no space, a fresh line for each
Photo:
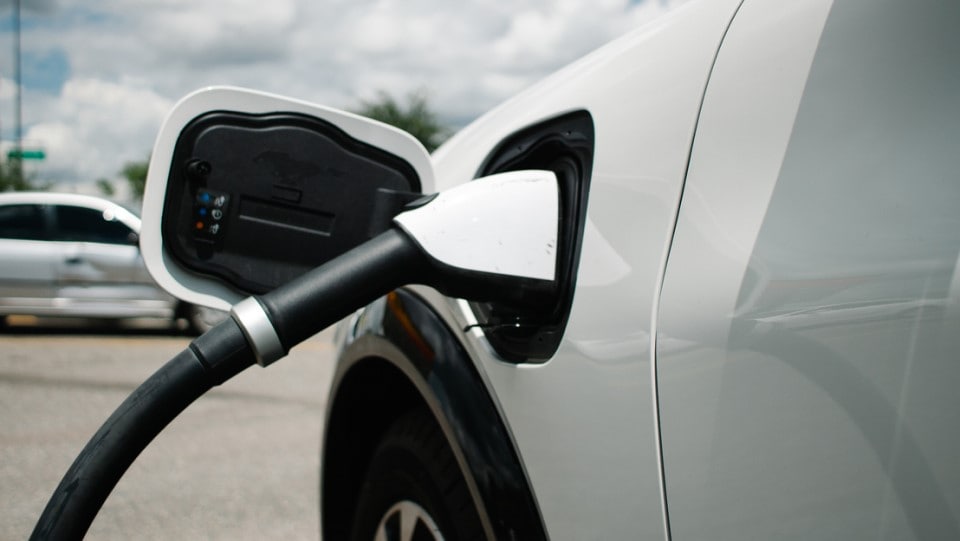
413,473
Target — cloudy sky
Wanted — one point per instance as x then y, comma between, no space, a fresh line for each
99,76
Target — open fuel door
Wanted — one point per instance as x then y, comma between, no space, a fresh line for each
248,190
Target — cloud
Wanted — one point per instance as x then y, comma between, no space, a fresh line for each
95,128
112,68
225,33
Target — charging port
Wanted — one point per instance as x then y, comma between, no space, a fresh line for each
530,331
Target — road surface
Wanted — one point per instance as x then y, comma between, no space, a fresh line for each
241,463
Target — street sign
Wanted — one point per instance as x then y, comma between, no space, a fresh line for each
25,154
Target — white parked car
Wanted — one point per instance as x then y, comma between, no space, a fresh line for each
71,255
759,331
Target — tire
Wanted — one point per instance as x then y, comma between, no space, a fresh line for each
414,489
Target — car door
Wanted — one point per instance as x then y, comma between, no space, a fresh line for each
27,259
100,270
807,338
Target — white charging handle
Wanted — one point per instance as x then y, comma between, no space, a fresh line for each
501,224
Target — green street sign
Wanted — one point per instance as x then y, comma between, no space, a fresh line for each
24,154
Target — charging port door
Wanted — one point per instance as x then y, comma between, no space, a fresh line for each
247,191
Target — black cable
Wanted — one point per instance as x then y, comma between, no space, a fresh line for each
328,293
210,360
296,310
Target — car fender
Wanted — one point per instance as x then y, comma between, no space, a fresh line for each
398,354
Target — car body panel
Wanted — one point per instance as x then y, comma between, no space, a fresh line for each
30,274
806,348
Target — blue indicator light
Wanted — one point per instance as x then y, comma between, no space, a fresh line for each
203,211
205,197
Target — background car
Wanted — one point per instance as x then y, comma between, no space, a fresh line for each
756,336
70,255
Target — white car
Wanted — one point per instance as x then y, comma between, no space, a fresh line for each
71,255
758,329
719,259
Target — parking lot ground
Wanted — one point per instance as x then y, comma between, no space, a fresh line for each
241,463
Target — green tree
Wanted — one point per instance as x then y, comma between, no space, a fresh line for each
414,117
136,175
13,179
106,187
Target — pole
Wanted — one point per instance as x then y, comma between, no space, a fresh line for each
18,119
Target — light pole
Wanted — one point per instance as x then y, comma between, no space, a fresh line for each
16,162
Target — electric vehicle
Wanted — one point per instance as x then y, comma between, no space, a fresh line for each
758,338
701,284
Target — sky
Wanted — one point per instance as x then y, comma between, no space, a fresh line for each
98,77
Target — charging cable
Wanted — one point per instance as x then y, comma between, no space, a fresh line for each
295,311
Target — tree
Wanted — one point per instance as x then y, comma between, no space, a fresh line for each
415,118
106,187
136,175
12,178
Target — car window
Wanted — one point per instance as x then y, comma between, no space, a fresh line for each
81,224
22,222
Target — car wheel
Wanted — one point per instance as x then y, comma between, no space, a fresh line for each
201,319
414,489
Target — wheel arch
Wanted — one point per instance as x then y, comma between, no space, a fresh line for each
399,355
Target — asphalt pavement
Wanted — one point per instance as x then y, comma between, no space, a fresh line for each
241,463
